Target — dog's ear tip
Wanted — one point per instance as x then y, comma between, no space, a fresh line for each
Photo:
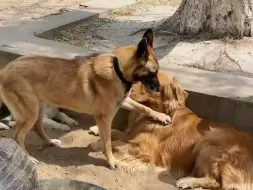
149,36
149,30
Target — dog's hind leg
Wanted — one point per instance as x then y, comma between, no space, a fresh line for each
24,106
193,182
39,128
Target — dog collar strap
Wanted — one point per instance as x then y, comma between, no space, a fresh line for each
127,84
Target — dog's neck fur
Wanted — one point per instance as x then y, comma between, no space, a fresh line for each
126,59
126,83
175,110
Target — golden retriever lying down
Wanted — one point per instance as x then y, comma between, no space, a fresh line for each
211,154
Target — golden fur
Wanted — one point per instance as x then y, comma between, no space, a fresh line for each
84,84
215,155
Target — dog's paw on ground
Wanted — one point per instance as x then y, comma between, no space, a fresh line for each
94,130
185,183
72,122
55,142
34,160
64,128
4,126
113,164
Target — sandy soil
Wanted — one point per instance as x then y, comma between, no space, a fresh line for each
75,161
14,11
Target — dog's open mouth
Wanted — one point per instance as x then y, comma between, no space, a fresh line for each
151,84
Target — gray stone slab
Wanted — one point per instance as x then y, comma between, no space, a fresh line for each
209,82
23,38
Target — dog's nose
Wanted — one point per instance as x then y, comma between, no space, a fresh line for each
157,88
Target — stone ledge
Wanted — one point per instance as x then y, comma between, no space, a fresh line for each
212,83
217,96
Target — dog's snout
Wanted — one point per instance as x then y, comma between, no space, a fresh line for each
151,82
156,85
157,88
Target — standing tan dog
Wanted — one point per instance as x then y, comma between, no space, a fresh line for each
97,86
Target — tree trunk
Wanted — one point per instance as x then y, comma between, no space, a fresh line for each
217,17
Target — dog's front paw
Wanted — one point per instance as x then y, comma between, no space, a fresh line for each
113,163
34,160
7,124
64,127
72,122
163,118
12,123
3,126
185,183
55,142
94,130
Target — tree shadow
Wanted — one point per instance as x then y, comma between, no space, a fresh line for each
66,155
165,177
71,156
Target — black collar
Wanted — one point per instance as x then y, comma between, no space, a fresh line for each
127,84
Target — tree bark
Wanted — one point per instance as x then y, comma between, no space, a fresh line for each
217,17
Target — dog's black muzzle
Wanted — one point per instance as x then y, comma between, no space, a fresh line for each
151,82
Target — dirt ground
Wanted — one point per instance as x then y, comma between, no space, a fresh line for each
74,160
14,11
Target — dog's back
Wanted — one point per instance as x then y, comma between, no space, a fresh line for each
226,154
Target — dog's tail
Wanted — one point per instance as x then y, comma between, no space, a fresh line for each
236,165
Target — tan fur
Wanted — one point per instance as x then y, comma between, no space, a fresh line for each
84,84
215,155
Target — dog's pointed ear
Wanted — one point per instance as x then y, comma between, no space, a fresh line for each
149,36
142,50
